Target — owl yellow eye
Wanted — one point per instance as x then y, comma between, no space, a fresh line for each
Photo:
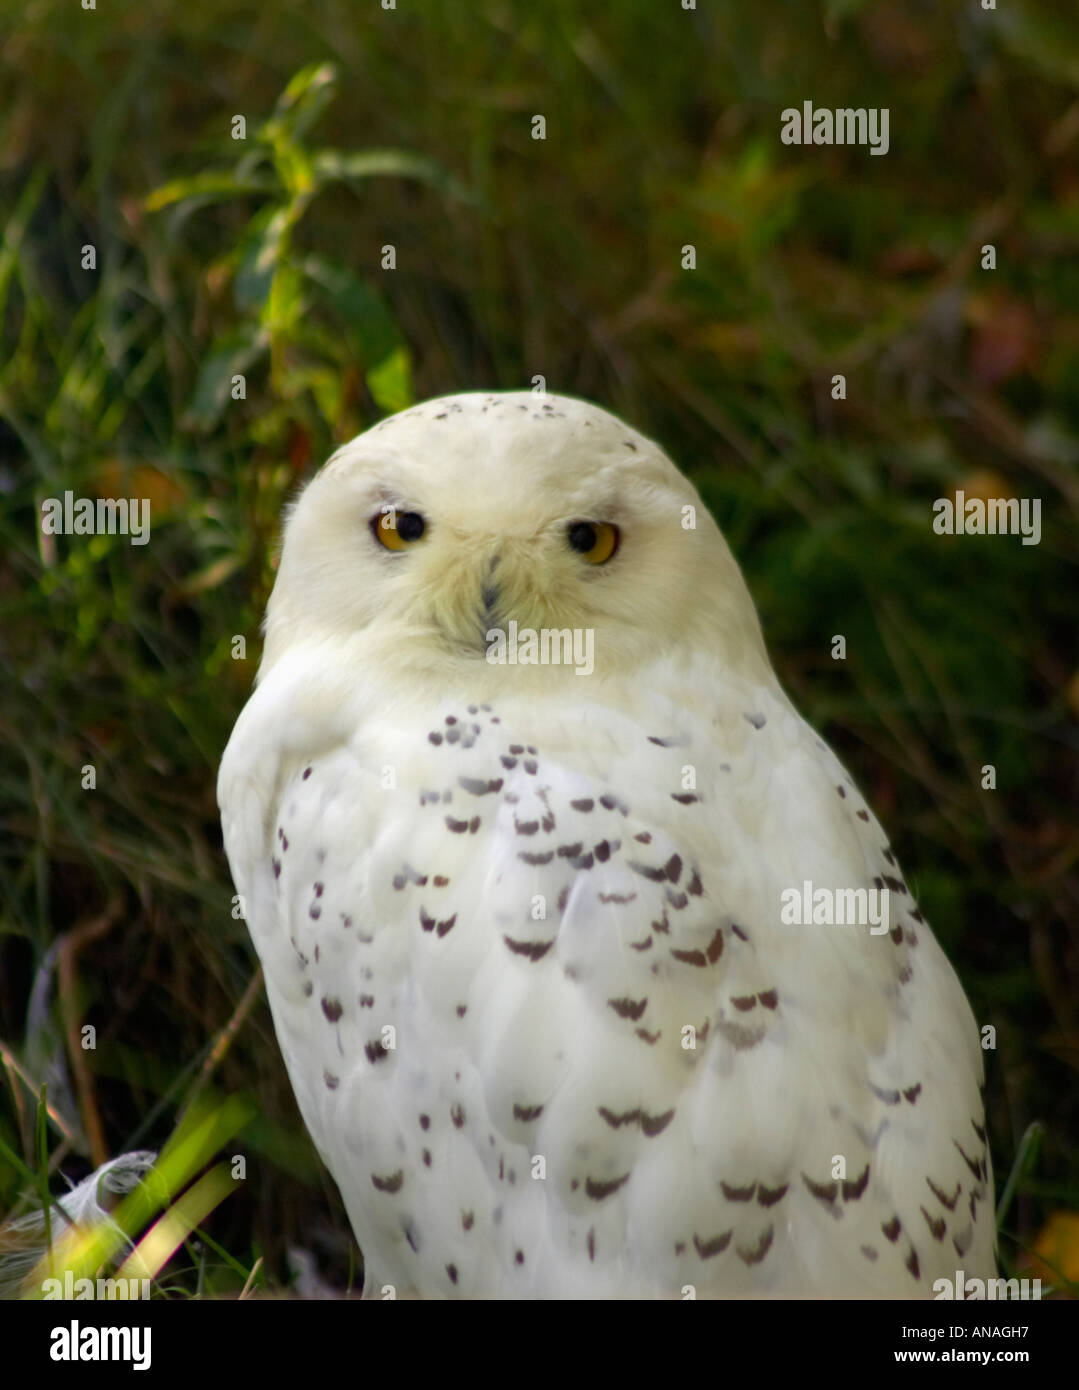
398,530
595,541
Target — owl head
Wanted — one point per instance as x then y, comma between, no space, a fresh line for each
481,514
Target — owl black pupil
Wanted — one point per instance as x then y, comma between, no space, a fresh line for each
410,526
582,537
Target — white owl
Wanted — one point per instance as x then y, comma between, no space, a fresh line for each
523,824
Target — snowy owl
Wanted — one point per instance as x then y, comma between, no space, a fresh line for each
593,972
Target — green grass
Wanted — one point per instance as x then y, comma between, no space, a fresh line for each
516,258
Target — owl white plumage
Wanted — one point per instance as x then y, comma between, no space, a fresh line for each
522,927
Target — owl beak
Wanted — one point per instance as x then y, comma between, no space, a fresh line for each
488,614
490,595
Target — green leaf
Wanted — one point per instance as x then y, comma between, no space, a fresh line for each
285,302
260,253
212,185
233,354
390,383
370,331
299,106
341,166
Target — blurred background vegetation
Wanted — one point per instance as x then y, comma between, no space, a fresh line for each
515,257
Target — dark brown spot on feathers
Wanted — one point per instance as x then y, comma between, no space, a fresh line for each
696,958
974,1166
825,1192
600,1189
715,1245
755,1254
942,1198
628,1008
628,1117
937,1226
534,950
390,1184
477,787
